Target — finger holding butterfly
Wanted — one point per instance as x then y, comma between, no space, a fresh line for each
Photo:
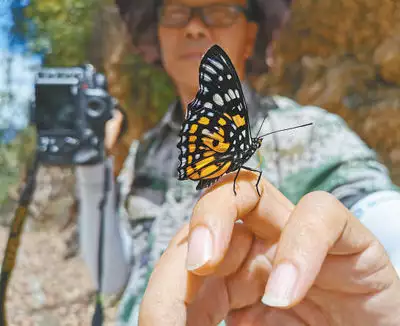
324,256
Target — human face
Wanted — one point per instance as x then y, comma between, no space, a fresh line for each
182,47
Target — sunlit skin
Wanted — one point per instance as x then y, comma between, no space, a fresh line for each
182,48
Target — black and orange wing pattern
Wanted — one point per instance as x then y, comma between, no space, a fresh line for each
215,137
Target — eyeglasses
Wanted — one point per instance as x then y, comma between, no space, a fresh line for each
216,15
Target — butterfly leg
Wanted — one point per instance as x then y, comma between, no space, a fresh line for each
259,176
234,181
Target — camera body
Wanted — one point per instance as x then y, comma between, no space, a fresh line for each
70,110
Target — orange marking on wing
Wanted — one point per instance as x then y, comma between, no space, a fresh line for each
221,147
222,121
219,172
228,116
201,164
208,170
208,153
204,121
238,120
192,148
193,129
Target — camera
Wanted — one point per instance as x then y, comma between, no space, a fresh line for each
70,110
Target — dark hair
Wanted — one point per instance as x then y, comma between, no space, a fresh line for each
140,17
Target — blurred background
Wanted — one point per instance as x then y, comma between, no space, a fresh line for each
342,55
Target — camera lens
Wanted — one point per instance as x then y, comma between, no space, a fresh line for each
95,107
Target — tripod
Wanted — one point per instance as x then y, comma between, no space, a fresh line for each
14,238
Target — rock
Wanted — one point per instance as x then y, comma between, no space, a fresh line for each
344,55
387,58
45,289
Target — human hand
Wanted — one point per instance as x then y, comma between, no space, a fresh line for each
335,272
113,130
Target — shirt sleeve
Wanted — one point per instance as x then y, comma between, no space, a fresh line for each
375,208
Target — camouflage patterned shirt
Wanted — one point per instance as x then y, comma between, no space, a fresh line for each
154,204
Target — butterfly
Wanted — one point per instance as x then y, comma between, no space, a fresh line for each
215,137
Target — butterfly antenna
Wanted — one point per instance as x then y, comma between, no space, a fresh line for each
261,125
273,132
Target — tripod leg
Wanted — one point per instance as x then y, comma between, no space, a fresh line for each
13,242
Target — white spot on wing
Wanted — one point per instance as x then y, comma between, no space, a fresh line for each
229,76
208,105
209,69
231,94
218,99
237,93
205,77
197,156
227,98
216,64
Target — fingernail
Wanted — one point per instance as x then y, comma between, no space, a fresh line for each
200,248
281,286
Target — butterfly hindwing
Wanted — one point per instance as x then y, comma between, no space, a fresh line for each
206,148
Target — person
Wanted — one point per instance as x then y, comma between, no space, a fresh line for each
325,212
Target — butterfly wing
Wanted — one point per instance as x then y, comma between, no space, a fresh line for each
205,145
215,135
220,89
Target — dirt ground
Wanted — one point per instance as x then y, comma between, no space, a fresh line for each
45,288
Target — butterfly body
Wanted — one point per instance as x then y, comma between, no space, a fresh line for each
215,138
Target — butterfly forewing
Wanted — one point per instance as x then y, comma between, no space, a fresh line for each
220,88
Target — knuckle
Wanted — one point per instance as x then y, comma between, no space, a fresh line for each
319,197
322,214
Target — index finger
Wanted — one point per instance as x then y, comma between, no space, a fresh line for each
218,209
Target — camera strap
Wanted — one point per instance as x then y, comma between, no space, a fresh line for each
98,316
14,236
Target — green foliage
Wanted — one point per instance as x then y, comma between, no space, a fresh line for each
11,157
151,89
63,29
